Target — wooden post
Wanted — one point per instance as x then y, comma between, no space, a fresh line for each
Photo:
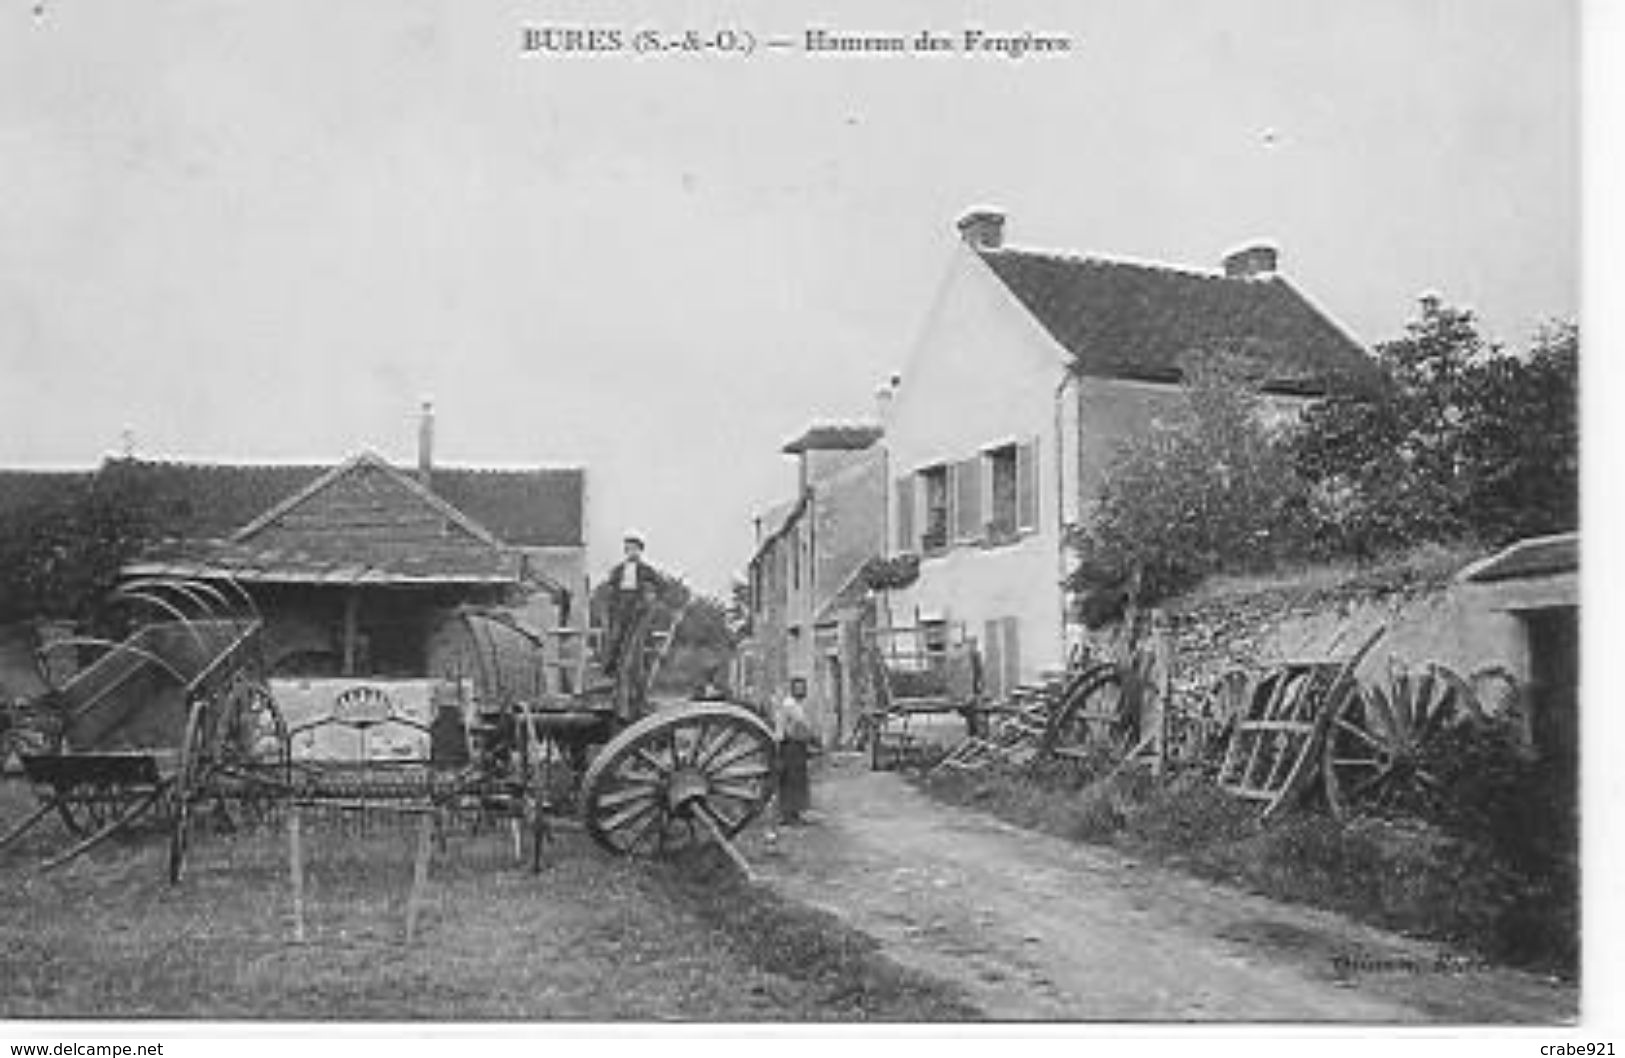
296,872
703,813
420,873
1162,651
352,618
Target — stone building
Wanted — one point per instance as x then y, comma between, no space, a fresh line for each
807,602
1030,367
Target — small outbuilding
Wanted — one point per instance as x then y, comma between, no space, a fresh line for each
1536,582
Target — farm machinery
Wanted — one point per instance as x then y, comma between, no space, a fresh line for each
1328,725
175,724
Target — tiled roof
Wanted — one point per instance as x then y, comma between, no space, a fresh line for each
776,521
852,593
20,489
839,437
1540,556
208,499
523,508
362,522
528,508
1137,321
335,563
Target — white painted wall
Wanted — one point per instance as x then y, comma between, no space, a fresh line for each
982,373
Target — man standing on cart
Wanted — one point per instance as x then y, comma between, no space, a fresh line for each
631,588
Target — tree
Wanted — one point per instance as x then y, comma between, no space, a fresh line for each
59,557
1520,441
1211,490
739,610
1467,442
703,646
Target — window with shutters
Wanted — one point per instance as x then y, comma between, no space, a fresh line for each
967,482
1027,485
1001,474
934,488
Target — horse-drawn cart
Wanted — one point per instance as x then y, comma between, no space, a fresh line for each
642,785
172,719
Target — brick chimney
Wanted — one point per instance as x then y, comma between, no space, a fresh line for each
426,443
982,228
1255,261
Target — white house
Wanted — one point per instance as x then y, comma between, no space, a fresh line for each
1029,367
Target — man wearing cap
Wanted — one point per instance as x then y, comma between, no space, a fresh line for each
632,587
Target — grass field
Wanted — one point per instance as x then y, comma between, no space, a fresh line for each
591,938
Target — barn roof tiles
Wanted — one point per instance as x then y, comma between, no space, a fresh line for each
1138,321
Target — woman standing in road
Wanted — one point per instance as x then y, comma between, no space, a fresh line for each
794,734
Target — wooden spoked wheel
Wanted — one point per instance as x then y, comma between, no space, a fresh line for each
1094,717
675,778
1377,745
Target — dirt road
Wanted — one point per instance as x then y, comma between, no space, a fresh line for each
1033,927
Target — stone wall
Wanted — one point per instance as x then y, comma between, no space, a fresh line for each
1327,614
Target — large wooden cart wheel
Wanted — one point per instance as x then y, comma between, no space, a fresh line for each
1377,746
1094,716
676,777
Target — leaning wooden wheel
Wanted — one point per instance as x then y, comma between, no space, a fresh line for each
674,777
1377,746
1094,716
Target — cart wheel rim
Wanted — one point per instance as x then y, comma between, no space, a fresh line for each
646,788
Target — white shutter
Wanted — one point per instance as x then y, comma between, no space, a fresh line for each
1027,485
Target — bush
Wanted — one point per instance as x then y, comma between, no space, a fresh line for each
1211,491
1468,443
59,557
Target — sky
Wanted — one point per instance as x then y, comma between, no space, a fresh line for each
251,232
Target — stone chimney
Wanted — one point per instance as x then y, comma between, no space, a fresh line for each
426,443
982,228
1255,261
885,393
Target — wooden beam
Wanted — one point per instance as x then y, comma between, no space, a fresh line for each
352,614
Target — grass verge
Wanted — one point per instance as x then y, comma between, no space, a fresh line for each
1406,875
843,971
